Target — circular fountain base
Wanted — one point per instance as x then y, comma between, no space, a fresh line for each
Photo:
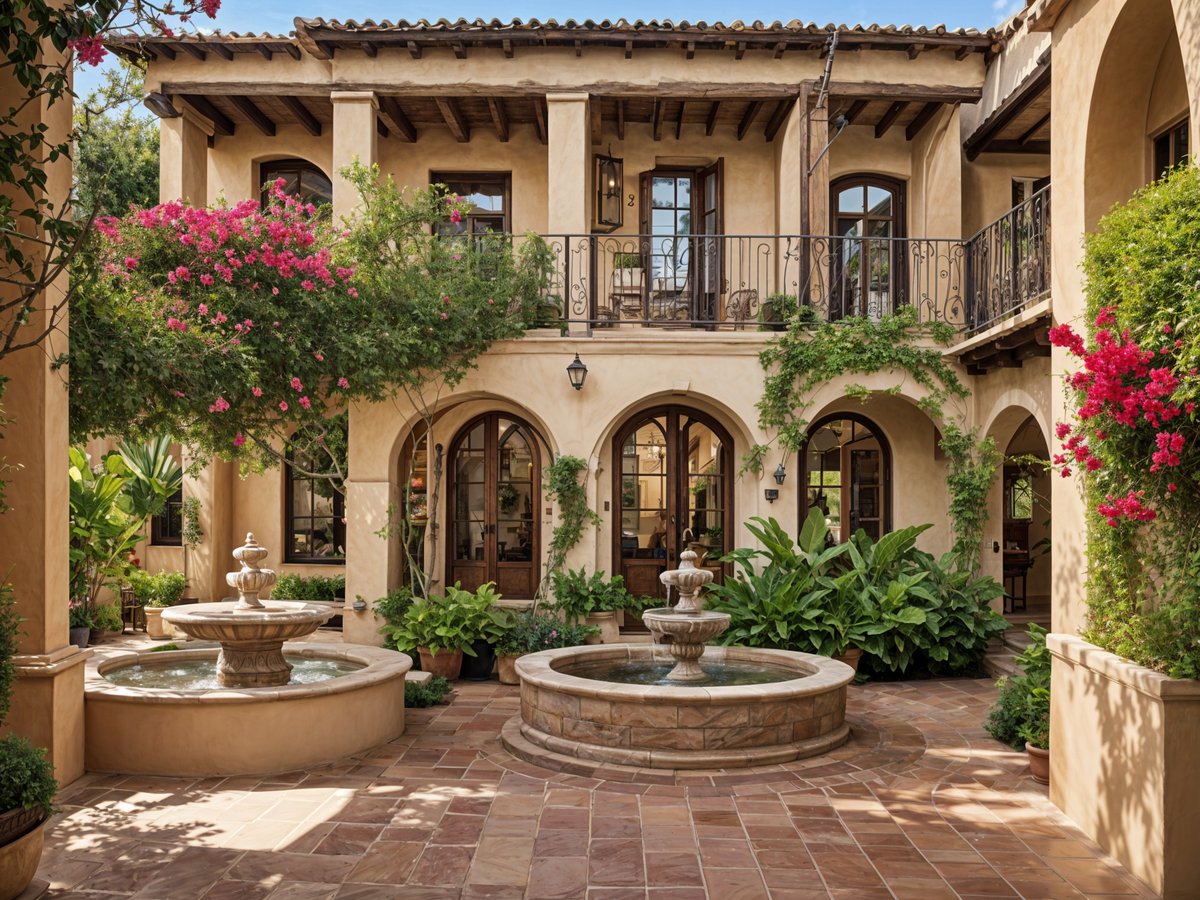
248,731
799,713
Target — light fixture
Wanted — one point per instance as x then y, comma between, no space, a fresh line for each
780,474
772,494
577,372
609,177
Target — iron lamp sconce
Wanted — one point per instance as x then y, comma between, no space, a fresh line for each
609,184
577,372
780,474
771,494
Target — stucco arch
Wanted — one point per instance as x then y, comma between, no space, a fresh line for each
1009,413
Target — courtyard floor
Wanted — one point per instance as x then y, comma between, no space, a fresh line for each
920,804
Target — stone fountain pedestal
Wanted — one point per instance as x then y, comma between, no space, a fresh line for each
686,627
251,633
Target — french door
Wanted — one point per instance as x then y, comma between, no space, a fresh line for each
674,493
868,260
494,495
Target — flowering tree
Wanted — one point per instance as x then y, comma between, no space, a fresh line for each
40,234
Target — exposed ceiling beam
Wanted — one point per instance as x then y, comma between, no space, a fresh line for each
855,110
658,118
874,90
578,48
264,51
928,111
890,117
620,119
368,48
679,120
292,50
454,119
595,120
222,124
225,53
740,50
778,117
499,119
1016,103
460,50
962,53
710,124
539,118
165,50
194,51
691,49
507,46
161,106
397,121
257,117
1028,135
748,117
302,113
779,48
629,49
414,49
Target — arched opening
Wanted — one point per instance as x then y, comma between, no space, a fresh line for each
301,179
494,482
868,214
1025,526
674,493
848,475
1137,122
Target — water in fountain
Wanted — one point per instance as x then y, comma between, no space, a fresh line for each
201,674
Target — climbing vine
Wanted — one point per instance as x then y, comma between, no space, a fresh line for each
564,485
806,357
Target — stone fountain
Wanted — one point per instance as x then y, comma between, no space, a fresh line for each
688,626
251,633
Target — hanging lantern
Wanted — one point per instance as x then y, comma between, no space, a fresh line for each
609,180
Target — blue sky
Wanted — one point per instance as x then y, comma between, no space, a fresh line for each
276,15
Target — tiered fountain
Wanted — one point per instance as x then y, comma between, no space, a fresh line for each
254,706
678,704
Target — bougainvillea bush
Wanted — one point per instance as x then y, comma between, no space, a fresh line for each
1134,432
235,327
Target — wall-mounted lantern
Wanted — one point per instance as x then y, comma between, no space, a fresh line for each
771,494
577,372
609,180
780,474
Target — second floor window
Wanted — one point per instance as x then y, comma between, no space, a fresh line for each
300,178
1171,148
490,196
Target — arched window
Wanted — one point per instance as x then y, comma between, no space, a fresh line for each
868,255
315,512
300,178
847,475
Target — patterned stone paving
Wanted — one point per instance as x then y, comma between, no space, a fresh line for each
920,804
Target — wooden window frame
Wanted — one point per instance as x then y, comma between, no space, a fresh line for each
886,475
504,179
1170,133
296,164
291,477
160,527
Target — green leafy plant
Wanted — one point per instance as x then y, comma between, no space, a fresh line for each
627,261
309,588
564,486
159,648
157,591
26,775
529,632
107,617
420,696
451,621
1022,712
391,608
578,595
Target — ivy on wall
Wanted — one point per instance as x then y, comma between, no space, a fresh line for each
808,356
564,485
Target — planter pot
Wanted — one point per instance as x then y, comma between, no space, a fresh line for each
507,666
447,663
1039,763
610,632
80,636
19,859
479,667
850,657
155,627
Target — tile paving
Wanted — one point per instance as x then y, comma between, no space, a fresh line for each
920,804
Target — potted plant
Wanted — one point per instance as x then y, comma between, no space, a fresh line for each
776,310
27,784
530,632
444,627
627,274
156,593
79,620
106,621
1021,716
593,600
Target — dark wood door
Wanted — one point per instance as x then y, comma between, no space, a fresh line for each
495,482
674,493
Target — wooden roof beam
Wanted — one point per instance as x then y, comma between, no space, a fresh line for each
691,50
165,50
1028,135
778,117
302,113
292,50
710,124
748,117
928,111
629,49
507,46
780,48
194,51
658,118
393,115
460,50
578,48
161,106
595,120
454,119
539,118
222,124
740,50
499,119
890,117
620,119
368,48
855,110
1016,103
265,51
414,49
257,117
679,120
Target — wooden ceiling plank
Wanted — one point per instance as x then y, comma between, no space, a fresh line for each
222,124
928,111
748,117
1028,135
890,117
393,114
710,124
257,117
539,118
778,117
679,120
499,119
302,113
658,118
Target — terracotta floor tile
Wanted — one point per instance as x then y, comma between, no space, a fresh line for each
502,861
672,869
387,862
616,862
558,878
445,865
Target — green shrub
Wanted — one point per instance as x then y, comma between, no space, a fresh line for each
391,608
161,590
1006,717
453,621
419,696
26,776
107,617
530,632
1022,713
159,648
9,624
308,588
577,595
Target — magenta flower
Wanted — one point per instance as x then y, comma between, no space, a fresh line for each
296,385
343,383
283,407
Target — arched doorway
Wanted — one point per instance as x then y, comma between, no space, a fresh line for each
868,215
674,493
494,482
848,475
1025,528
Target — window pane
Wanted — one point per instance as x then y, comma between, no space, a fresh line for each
879,201
850,200
663,193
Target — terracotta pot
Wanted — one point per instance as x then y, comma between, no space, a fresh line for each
79,636
507,666
1039,763
447,663
19,861
850,657
155,627
610,632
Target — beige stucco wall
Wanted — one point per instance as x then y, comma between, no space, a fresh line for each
987,185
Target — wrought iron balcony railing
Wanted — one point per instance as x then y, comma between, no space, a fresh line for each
1009,263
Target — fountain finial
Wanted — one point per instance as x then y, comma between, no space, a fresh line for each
250,580
689,581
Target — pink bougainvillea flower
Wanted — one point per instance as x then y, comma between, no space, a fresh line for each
257,392
343,383
306,403
176,325
455,216
444,316
283,407
319,356
219,406
296,385
89,49
238,439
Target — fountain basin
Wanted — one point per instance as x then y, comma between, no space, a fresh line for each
242,731
681,726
